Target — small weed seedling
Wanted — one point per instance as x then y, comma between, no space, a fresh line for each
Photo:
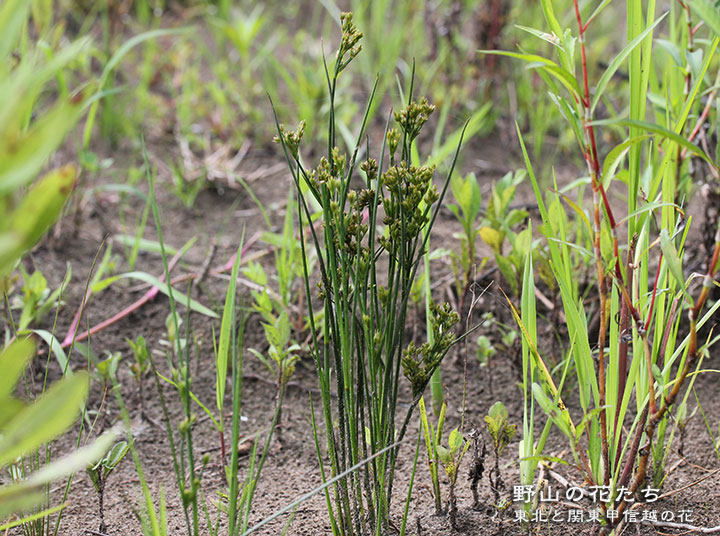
485,349
139,366
282,357
99,473
497,226
36,299
467,209
432,439
501,433
451,457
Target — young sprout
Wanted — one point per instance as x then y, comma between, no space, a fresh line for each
496,422
433,438
467,209
485,349
139,367
99,473
36,299
282,356
451,458
106,369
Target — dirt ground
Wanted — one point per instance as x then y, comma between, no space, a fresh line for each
292,467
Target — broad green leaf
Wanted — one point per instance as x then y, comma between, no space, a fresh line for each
12,21
13,361
28,493
660,131
9,407
492,238
615,156
116,454
38,210
695,61
673,50
443,454
498,411
44,420
23,157
56,349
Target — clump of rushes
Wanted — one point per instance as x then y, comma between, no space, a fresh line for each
643,287
368,253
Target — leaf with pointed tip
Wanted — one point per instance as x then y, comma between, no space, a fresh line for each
48,417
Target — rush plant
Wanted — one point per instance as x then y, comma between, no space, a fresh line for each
368,253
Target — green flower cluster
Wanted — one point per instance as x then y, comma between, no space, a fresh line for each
291,138
350,43
412,118
411,191
420,363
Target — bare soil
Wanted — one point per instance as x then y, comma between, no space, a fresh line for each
292,468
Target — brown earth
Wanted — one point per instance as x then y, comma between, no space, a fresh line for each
292,466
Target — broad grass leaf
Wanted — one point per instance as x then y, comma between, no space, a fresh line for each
538,62
492,238
12,17
12,363
48,417
38,210
22,156
659,131
28,493
552,411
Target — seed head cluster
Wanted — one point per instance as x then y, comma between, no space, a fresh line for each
419,363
